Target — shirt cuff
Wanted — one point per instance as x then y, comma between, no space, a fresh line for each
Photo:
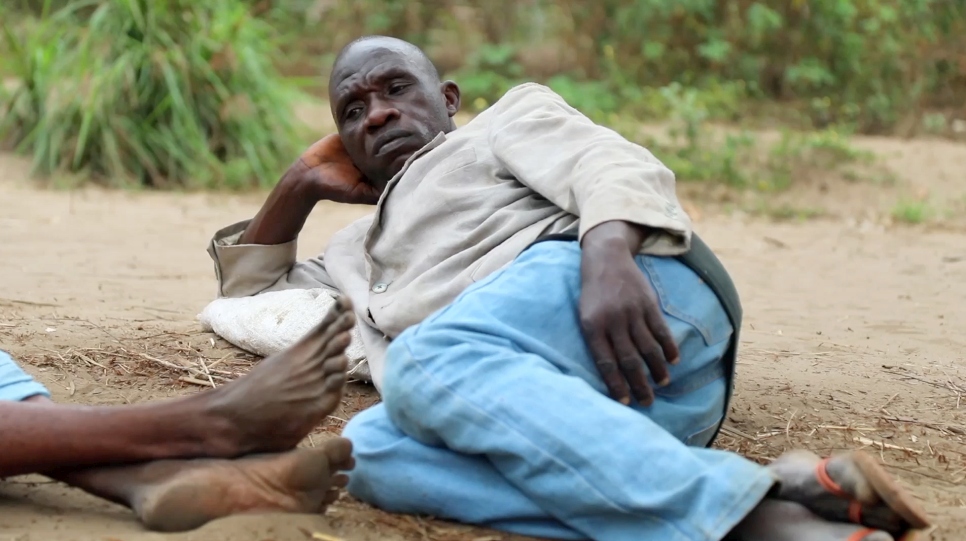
671,225
243,270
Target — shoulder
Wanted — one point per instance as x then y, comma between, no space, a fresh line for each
529,92
530,99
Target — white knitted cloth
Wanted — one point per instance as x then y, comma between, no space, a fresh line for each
270,322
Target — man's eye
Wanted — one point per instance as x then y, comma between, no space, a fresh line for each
353,113
397,88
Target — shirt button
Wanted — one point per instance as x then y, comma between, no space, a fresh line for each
380,288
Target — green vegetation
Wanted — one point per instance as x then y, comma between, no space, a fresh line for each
910,211
699,151
179,93
866,63
151,93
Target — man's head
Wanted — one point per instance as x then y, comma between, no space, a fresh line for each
388,102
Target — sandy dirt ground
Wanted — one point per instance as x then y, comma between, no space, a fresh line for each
853,334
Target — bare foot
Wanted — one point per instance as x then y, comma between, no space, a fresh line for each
179,495
776,520
286,395
854,489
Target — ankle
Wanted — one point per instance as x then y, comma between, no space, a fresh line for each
218,435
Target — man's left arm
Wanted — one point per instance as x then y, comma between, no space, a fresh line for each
626,202
586,169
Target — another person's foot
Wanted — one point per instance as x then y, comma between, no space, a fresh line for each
286,395
851,487
180,495
776,520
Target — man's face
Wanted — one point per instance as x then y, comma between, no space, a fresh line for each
387,106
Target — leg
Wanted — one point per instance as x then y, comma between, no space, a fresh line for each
271,409
177,495
503,372
401,475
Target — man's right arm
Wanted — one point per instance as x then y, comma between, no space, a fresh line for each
283,215
259,255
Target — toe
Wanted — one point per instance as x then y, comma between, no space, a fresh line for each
309,470
330,498
331,316
336,320
335,346
343,304
339,452
340,481
336,364
345,323
332,390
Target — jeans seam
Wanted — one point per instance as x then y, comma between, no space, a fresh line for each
662,295
694,381
712,426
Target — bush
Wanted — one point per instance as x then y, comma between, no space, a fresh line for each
696,150
869,63
149,92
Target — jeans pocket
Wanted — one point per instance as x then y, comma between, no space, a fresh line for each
702,438
684,296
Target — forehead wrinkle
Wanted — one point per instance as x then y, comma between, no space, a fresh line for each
363,77
362,52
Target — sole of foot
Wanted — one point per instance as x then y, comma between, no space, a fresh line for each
199,491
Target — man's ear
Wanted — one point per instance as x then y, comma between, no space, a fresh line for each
451,94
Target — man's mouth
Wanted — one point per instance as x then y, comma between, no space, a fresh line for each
391,141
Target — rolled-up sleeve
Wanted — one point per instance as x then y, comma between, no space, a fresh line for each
586,169
243,270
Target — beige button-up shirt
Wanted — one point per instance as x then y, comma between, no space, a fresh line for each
465,206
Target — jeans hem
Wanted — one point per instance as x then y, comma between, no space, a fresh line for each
743,507
18,392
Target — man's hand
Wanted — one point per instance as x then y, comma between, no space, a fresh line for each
620,314
327,168
323,172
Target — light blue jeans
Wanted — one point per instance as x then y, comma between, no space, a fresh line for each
494,414
15,384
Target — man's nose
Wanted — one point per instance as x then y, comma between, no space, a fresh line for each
380,114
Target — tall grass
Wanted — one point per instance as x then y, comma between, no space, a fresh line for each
159,93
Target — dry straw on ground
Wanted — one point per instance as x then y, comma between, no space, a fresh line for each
909,447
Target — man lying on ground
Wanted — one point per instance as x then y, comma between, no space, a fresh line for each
516,271
181,463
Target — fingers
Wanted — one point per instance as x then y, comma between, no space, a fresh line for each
632,366
651,351
606,361
329,148
366,193
662,334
